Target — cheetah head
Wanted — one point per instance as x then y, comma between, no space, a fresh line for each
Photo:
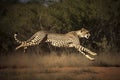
83,33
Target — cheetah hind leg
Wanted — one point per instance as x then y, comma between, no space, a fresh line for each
25,48
18,47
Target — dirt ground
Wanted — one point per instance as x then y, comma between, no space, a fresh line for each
54,67
61,73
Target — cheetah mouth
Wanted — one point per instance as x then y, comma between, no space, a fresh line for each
87,36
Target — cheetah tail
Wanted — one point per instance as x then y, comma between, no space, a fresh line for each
15,37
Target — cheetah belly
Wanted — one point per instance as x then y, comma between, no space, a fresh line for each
58,43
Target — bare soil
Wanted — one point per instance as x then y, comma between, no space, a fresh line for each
61,73
54,67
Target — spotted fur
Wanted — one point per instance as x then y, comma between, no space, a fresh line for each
70,39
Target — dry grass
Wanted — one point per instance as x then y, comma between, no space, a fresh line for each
49,60
108,60
72,66
54,60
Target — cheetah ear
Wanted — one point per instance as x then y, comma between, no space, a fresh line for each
82,29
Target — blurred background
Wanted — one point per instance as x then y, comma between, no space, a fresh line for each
101,17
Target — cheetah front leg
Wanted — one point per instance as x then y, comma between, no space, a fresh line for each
90,52
87,56
86,50
81,49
